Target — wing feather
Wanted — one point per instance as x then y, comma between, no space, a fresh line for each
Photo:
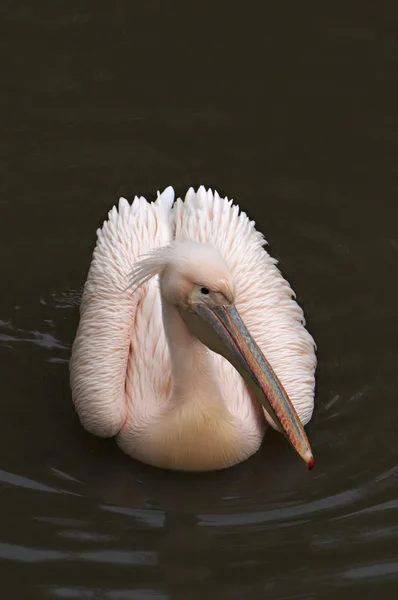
113,320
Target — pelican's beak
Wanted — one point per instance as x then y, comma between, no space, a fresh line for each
234,342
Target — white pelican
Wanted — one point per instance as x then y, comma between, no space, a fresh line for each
163,358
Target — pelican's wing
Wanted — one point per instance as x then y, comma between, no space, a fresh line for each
264,298
103,352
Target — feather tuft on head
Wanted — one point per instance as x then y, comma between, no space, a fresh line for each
150,265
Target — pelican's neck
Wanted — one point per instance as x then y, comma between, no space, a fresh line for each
192,370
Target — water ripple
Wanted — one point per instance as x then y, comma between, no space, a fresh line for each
119,557
29,555
389,505
123,594
18,553
291,512
372,571
25,482
153,518
38,338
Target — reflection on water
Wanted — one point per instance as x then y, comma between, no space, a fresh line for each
296,119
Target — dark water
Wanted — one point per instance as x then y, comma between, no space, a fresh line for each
293,111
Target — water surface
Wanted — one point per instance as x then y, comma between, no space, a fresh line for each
292,111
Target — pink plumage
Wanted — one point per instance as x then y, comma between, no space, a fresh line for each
137,374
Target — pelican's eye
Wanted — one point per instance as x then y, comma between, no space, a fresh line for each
205,290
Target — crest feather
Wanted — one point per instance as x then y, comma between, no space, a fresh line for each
150,265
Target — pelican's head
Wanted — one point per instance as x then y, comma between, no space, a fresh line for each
195,278
196,274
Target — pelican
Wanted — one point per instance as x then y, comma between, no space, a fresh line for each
190,342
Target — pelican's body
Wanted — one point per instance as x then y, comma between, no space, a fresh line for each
138,369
